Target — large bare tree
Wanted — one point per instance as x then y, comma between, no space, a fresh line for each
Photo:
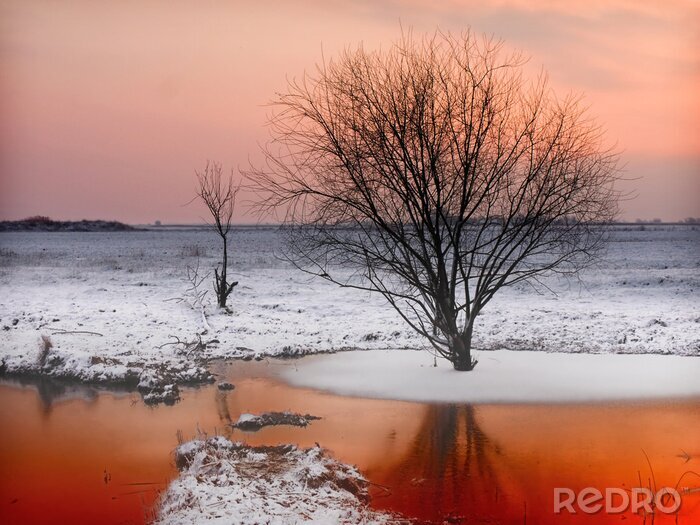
441,173
219,196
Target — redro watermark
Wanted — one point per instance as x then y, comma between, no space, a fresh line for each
613,500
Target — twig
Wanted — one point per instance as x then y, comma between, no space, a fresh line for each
687,457
60,331
383,487
177,341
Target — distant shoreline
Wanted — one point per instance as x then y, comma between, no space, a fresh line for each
47,225
44,224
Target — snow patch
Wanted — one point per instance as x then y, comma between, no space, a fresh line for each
222,482
502,376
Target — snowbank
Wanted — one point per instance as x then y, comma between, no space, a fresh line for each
223,482
501,376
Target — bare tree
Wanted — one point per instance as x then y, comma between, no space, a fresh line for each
219,196
441,174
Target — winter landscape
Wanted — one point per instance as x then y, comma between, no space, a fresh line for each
117,311
349,263
118,307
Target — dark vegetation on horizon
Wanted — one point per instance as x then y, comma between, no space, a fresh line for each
42,223
46,224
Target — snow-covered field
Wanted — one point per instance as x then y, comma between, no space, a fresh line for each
126,289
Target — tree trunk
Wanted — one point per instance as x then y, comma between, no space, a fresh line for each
461,351
221,292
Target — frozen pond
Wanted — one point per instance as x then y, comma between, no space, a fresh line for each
84,456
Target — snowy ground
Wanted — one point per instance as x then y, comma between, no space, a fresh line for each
223,482
502,376
126,288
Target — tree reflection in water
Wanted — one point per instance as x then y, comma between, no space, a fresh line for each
449,469
51,391
222,409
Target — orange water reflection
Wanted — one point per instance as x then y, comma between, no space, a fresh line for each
484,463
500,463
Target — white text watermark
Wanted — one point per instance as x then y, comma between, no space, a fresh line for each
591,500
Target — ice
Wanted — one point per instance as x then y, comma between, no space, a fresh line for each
501,376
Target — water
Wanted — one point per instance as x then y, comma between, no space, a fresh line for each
72,454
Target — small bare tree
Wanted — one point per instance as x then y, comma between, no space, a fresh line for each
219,196
441,174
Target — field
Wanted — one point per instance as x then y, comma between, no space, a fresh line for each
115,307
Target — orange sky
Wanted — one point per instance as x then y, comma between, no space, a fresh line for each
106,108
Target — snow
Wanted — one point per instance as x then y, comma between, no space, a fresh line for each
253,423
245,418
223,482
126,288
501,376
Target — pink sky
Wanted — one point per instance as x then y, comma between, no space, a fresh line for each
107,108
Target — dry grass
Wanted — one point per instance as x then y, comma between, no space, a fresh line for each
193,250
45,346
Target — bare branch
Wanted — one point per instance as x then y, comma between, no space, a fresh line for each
438,173
219,196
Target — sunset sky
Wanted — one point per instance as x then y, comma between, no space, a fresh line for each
107,108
